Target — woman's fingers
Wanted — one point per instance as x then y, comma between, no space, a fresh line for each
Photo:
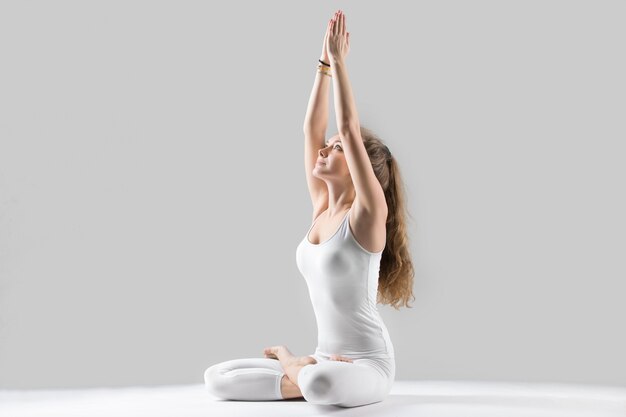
339,37
342,24
340,358
339,23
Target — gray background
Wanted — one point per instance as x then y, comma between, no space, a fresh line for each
152,192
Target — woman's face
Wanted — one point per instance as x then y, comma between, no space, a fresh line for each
333,160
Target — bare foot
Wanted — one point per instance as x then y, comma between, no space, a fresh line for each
269,352
340,358
285,357
291,364
277,352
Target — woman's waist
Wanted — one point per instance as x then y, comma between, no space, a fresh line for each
378,354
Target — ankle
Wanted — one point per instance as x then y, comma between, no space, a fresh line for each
289,389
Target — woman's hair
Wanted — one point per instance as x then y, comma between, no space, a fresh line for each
395,282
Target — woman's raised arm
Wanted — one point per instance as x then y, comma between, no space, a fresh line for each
316,119
370,196
315,124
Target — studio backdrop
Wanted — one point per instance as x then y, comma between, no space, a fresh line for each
153,193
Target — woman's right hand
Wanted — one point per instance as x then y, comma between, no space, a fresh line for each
324,56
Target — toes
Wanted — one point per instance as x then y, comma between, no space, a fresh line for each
275,351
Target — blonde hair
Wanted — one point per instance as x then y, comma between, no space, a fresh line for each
395,282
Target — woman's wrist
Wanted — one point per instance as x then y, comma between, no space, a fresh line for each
332,60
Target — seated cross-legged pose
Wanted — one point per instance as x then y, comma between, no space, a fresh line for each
355,250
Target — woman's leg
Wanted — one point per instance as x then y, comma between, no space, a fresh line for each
290,363
251,379
346,384
289,389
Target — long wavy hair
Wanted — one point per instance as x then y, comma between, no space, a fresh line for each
395,280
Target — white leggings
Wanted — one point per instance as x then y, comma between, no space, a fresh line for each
345,384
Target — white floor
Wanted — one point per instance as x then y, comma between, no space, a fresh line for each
408,398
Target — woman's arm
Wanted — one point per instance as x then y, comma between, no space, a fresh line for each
316,119
315,124
339,46
314,138
345,107
370,197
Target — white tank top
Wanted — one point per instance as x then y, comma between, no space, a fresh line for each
342,278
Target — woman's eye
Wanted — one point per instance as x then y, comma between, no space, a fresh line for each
337,145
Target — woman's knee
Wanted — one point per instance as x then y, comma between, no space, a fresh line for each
317,387
322,385
214,381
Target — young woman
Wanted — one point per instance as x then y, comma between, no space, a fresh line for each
355,249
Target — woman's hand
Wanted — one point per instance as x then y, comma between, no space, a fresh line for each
324,56
338,38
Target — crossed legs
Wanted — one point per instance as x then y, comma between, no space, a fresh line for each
292,366
337,381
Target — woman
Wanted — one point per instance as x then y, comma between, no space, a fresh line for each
355,249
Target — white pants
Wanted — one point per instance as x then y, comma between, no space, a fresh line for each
345,384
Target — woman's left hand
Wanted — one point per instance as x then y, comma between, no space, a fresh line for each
338,38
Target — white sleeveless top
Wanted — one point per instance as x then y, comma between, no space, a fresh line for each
342,278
